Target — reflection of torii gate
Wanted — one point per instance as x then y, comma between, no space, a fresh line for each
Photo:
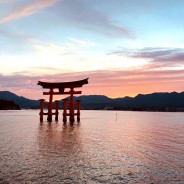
61,91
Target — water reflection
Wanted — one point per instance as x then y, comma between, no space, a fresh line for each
61,151
57,139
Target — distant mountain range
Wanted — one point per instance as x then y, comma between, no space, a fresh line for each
150,102
23,102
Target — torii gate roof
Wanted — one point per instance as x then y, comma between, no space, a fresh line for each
62,85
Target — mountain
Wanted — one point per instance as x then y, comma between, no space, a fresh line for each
24,103
8,105
94,99
169,101
149,102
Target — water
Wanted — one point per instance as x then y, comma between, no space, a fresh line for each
106,147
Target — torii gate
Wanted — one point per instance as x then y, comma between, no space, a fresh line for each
61,86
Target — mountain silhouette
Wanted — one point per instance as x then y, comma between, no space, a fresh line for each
21,101
8,105
149,102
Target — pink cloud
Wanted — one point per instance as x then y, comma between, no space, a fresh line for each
110,83
27,10
76,13
161,56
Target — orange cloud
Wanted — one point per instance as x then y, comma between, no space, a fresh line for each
110,83
27,10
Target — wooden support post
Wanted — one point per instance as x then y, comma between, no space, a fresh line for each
78,110
71,106
41,109
65,110
57,107
49,118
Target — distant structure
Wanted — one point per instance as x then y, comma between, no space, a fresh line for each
61,87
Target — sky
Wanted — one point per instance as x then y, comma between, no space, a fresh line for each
125,47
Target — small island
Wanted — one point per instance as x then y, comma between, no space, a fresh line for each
8,105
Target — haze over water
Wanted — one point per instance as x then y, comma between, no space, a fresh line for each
105,147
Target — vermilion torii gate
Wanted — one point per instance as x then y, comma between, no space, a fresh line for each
61,86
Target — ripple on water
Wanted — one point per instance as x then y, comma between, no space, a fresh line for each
136,147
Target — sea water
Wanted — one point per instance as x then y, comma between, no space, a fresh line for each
105,147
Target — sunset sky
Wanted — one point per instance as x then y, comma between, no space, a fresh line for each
125,47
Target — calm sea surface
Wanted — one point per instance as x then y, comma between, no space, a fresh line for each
105,147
